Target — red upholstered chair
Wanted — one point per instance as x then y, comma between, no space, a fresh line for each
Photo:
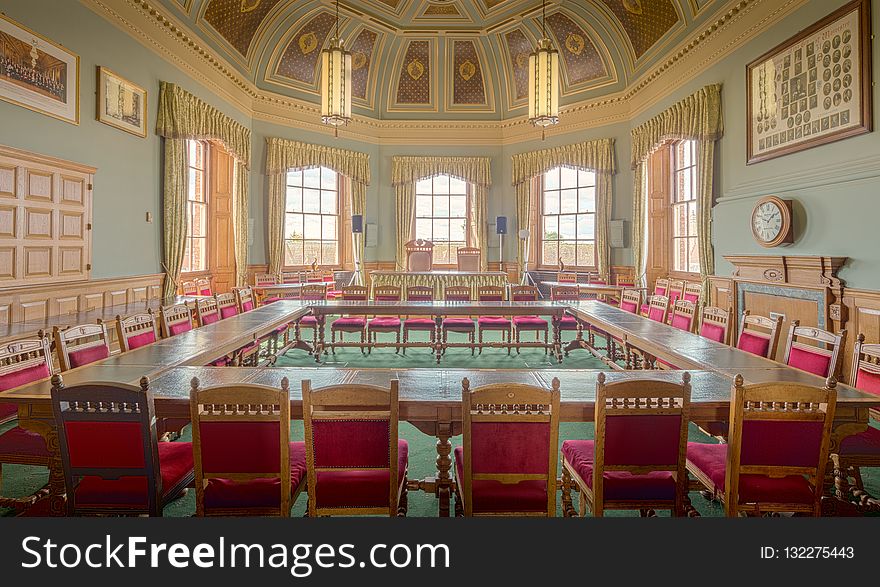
384,324
637,461
206,311
683,315
419,255
189,288
174,320
310,292
249,355
227,305
777,451
203,285
658,308
113,462
356,463
566,293
419,293
536,324
245,464
862,449
822,357
353,324
661,288
22,362
245,298
715,324
493,293
265,279
676,290
567,277
459,324
510,449
756,341
80,345
469,259
692,292
291,277
136,331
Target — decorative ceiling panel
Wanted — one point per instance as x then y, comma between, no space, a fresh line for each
468,86
302,56
362,51
582,60
644,21
518,49
414,79
237,21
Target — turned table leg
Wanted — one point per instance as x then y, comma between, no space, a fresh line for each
438,342
444,466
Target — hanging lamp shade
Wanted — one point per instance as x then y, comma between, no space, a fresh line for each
544,85
335,84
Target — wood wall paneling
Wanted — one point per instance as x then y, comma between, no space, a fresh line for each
221,257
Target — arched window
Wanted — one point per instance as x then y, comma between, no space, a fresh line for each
442,215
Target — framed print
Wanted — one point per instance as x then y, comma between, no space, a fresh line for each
37,73
121,103
813,89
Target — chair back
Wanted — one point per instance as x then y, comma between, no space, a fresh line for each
457,293
631,300
386,293
715,324
80,345
564,293
692,292
313,292
245,298
814,350
778,430
641,428
314,276
420,293
657,308
189,288
136,330
241,438
204,286
566,277
596,279
109,447
490,293
350,429
291,277
683,315
661,286
755,341
510,434
419,255
523,293
469,259
676,290
24,361
175,319
227,305
865,373
207,311
357,293
265,279
624,281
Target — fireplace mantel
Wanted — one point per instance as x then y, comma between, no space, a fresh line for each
805,271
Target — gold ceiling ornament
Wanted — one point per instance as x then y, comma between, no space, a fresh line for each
544,80
415,69
467,70
308,43
522,59
335,82
574,43
249,5
358,60
633,6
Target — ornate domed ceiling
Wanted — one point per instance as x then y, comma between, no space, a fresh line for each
442,58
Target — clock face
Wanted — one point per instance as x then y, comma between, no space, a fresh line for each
767,221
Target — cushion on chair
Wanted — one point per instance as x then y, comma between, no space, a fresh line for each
753,343
210,318
868,381
228,311
362,487
863,443
175,465
712,331
630,307
176,329
308,321
205,292
794,444
271,300
568,323
142,339
711,460
21,377
385,322
682,322
222,362
816,362
458,324
494,496
689,297
493,321
7,412
20,442
88,355
656,314
618,485
530,322
248,306
644,308
419,323
353,322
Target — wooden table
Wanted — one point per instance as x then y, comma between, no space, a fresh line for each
439,310
285,290
593,289
439,280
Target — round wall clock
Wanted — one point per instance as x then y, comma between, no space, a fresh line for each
771,222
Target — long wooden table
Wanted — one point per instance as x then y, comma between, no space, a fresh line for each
285,290
439,280
594,289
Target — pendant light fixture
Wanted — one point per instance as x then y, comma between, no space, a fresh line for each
544,80
336,82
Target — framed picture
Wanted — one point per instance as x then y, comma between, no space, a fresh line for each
37,73
813,89
121,103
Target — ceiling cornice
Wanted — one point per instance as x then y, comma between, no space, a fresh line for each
725,31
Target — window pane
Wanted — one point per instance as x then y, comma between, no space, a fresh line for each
586,253
458,206
679,220
441,229
569,201
551,202
328,228
328,253
312,201
441,206
587,200
199,220
683,154
312,227
586,226
294,200
693,256
567,227
683,186
586,178
312,177
457,186
295,177
441,184
193,154
293,226
549,253
569,177
692,219
551,228
423,186
551,179
312,252
567,252
328,202
199,254
679,254
192,187
187,253
328,179
423,228
293,252
457,230
424,206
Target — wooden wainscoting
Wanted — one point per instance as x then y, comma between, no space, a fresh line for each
861,309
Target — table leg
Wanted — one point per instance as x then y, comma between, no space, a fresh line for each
319,347
557,340
444,466
57,490
438,341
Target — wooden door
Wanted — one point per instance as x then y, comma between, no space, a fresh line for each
221,235
659,166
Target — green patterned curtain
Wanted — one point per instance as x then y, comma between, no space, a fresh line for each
597,155
174,213
697,118
240,199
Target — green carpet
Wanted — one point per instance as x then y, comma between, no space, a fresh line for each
21,480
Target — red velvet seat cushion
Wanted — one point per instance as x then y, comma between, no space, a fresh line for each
868,381
353,322
176,469
308,321
361,487
682,322
816,362
88,355
493,496
222,362
23,376
176,329
264,493
863,443
458,324
643,309
419,323
7,411
630,307
656,314
712,331
271,300
529,322
618,485
385,322
753,343
18,441
205,292
210,318
490,321
247,306
711,460
142,339
568,323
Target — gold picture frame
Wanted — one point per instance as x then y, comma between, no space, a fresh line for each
121,103
37,73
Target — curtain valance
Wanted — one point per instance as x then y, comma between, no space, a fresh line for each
597,155
476,170
284,154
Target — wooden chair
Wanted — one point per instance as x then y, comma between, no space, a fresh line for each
510,448
683,315
22,362
692,292
80,345
384,324
203,285
174,320
568,323
823,360
311,292
419,255
676,290
661,287
189,288
658,308
493,293
419,293
227,305
863,449
469,259
248,355
459,324
536,324
356,463
566,277
755,341
777,452
207,311
265,279
715,324
637,461
245,463
139,475
291,277
136,330
353,324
